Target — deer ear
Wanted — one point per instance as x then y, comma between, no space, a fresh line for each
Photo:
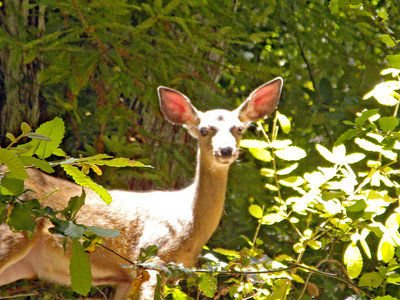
176,107
261,102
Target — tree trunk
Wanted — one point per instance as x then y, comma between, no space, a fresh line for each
19,100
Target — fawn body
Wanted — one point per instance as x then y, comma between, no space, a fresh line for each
179,222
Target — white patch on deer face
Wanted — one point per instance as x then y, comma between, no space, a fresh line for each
219,135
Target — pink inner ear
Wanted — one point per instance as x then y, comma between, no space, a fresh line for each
176,102
178,105
263,96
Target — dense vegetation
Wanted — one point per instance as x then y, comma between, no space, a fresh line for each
316,197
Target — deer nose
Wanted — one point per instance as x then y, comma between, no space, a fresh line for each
226,152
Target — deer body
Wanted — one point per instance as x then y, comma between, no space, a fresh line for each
179,222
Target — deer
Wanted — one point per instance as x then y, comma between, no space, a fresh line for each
179,222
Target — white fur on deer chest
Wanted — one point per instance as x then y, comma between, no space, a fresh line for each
161,217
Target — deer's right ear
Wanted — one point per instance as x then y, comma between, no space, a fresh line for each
176,107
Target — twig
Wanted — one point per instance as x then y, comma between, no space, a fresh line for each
292,266
18,295
331,275
380,24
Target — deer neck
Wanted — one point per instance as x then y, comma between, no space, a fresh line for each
209,197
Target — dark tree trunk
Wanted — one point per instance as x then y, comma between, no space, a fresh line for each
19,97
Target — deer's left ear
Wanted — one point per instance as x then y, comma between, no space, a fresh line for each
261,102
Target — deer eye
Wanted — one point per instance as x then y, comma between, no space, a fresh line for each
203,131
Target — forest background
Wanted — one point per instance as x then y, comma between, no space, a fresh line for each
97,64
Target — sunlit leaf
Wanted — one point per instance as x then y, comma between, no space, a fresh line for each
287,170
261,154
325,153
369,146
385,93
227,252
283,122
267,172
364,245
84,180
353,158
271,187
353,260
291,153
272,218
253,144
292,181
280,144
256,211
393,71
13,163
385,249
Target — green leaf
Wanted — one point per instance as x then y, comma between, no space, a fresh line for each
25,128
284,122
74,205
59,152
148,252
348,135
79,268
256,211
103,232
208,285
261,154
359,205
393,60
394,279
388,123
38,163
177,294
366,115
13,163
372,279
387,297
353,260
3,206
11,186
291,153
227,252
54,130
325,89
20,219
71,229
118,162
37,136
10,136
334,6
80,178
387,40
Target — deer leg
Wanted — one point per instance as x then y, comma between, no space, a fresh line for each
14,247
18,270
148,287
